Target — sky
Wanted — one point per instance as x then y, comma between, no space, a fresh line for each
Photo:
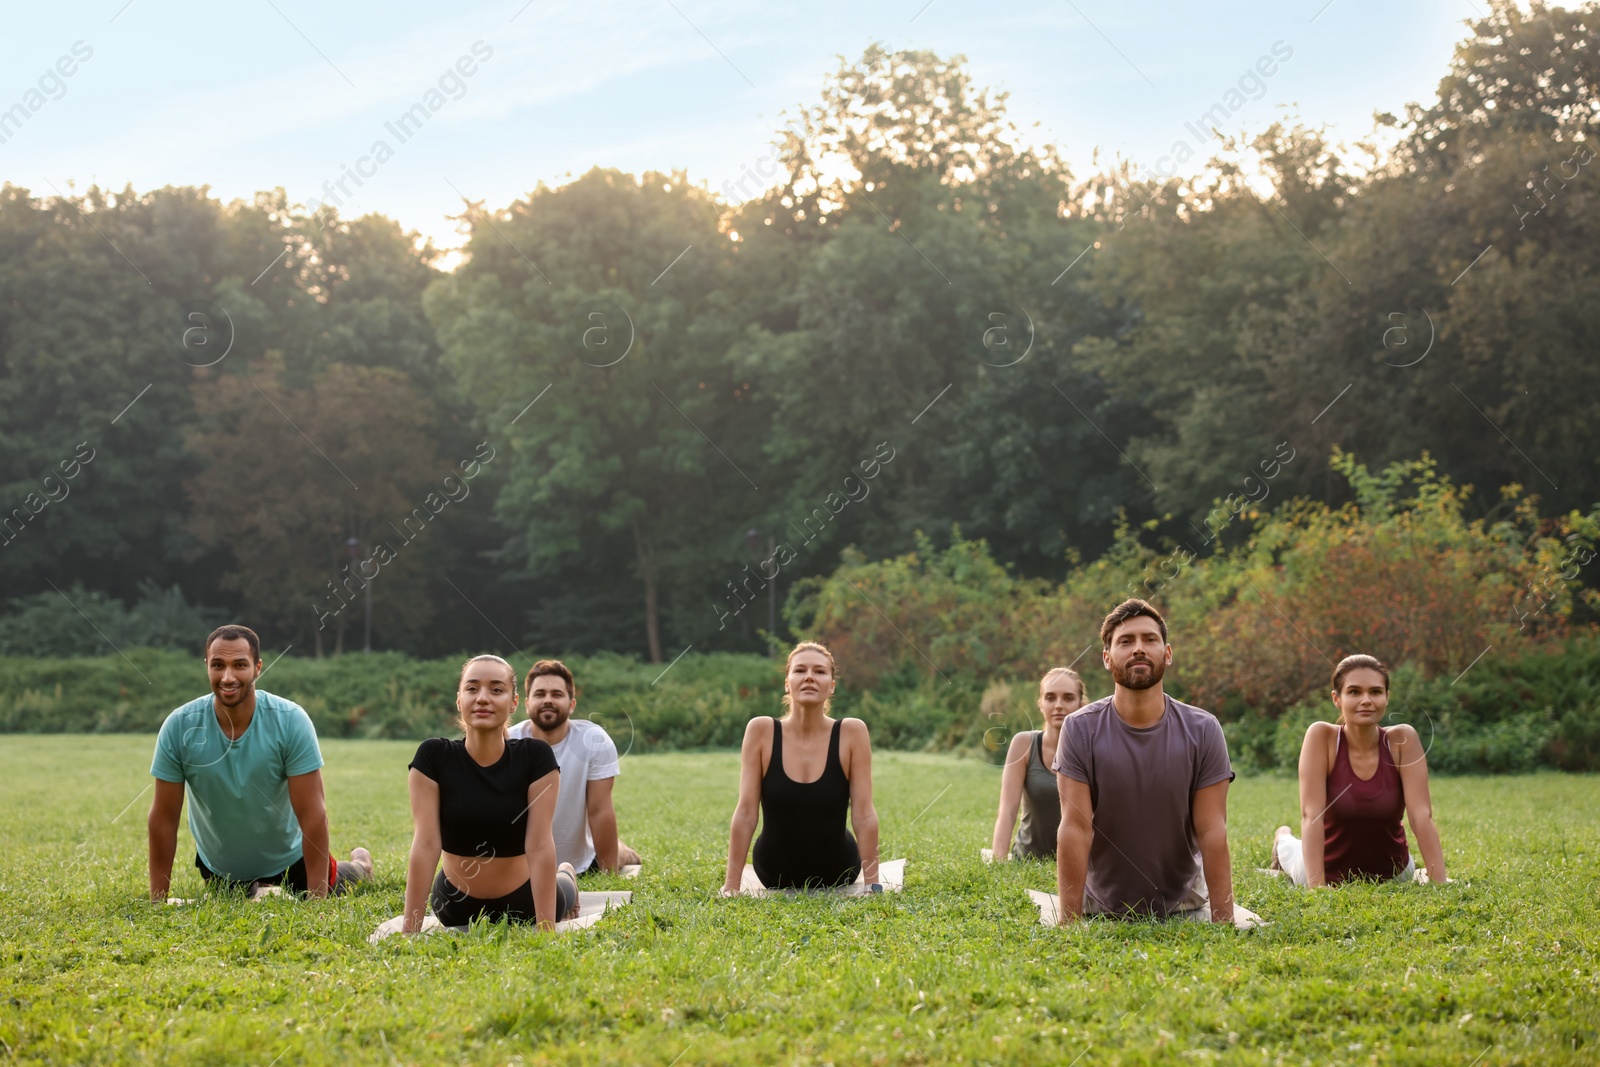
264,93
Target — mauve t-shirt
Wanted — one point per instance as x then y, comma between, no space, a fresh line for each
1144,858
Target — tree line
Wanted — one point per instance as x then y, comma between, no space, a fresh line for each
668,403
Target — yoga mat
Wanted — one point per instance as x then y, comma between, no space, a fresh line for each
591,906
260,892
1418,876
1049,905
891,875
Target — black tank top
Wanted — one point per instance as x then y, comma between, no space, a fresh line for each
803,842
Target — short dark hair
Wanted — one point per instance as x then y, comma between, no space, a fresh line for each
551,666
233,632
1131,608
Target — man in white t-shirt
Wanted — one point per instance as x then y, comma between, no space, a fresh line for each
585,825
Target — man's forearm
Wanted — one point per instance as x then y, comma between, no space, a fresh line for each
1217,865
315,850
603,828
1072,868
163,847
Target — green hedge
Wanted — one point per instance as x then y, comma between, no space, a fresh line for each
702,701
1505,714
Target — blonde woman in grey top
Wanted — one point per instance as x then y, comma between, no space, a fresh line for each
1028,782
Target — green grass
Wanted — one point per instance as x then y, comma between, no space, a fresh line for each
1498,968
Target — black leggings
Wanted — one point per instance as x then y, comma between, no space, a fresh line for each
453,907
814,863
293,879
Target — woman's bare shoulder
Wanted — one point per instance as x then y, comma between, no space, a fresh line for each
853,734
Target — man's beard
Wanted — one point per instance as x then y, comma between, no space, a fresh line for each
239,697
1127,679
549,718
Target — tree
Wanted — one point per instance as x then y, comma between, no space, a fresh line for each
292,473
606,294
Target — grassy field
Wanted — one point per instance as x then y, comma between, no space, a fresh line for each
1498,968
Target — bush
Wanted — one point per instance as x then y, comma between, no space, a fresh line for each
51,624
702,700
1400,572
1575,745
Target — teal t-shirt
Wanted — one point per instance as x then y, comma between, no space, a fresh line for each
239,811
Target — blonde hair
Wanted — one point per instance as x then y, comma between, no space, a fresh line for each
833,670
511,672
1068,672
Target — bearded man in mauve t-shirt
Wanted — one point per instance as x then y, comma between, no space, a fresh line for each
1144,791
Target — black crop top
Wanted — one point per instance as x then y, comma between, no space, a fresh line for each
483,811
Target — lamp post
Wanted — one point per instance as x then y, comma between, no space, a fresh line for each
352,548
752,541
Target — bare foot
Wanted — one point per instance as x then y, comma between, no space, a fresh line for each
363,861
1277,835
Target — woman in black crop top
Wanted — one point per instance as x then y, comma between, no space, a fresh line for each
484,805
804,773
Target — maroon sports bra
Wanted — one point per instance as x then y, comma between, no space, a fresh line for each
1362,835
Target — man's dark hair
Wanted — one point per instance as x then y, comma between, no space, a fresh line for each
550,666
232,632
1130,609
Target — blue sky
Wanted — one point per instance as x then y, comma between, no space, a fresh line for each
261,93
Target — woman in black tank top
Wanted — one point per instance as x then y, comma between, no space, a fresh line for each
804,796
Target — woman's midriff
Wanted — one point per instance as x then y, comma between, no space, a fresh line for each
485,877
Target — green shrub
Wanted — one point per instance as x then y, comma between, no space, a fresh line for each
701,701
51,624
1575,743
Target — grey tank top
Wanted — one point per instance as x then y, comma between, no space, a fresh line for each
1041,807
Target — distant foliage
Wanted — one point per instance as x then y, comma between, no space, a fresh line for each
1400,573
955,612
81,622
1257,626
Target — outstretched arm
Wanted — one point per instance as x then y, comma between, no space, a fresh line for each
425,848
746,811
857,743
163,830
539,844
1412,761
1011,779
1314,801
1211,832
602,817
311,810
1073,838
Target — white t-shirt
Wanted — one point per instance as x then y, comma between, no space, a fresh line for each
586,754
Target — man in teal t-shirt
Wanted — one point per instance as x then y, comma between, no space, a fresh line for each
253,770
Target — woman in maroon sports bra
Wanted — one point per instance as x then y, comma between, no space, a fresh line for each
1356,779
